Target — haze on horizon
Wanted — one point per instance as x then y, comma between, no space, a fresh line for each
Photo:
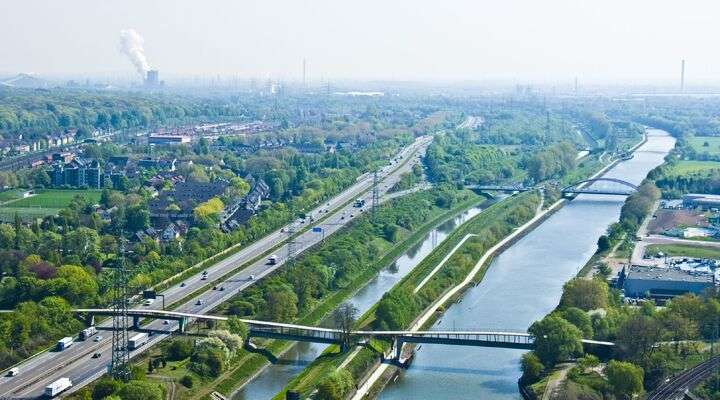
513,40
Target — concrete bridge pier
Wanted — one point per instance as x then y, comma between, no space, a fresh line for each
399,343
136,322
182,324
89,319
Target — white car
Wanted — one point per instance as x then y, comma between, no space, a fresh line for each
98,338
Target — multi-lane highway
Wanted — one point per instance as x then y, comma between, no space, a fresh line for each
76,362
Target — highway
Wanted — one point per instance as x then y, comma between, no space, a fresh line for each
76,362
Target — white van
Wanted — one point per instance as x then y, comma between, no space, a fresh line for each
13,371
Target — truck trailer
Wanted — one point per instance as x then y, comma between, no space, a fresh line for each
137,341
86,333
58,387
64,343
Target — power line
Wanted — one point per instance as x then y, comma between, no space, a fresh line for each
119,365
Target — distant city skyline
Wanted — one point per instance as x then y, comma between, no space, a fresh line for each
514,41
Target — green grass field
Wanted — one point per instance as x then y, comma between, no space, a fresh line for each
689,167
12,194
45,202
54,198
697,143
681,250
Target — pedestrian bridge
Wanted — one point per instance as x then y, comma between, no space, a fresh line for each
303,333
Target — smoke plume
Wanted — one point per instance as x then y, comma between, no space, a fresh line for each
131,44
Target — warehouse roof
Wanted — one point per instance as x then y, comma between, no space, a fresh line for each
667,274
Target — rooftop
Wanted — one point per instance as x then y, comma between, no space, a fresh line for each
639,272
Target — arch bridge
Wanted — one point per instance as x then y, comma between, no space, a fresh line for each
610,186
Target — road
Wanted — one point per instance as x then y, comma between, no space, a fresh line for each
640,245
675,386
77,363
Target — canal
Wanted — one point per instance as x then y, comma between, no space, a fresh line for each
271,380
522,285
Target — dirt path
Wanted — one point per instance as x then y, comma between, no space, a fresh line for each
558,378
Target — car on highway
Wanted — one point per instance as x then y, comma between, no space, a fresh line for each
97,338
165,322
96,355
251,277
203,278
222,288
182,284
13,371
215,287
148,302
198,303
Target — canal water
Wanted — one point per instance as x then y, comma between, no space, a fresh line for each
276,376
522,285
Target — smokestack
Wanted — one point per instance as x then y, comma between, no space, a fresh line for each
304,76
682,76
131,44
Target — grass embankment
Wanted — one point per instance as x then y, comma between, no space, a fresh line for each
247,364
681,250
491,225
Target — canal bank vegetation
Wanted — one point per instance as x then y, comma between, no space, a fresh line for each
654,343
400,306
317,282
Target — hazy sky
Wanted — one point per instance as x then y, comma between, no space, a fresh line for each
511,40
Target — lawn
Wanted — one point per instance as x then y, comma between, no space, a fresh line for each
698,144
689,167
45,202
682,250
12,194
54,198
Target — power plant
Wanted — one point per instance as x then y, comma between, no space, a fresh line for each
152,78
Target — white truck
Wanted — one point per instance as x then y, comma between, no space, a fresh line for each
58,387
272,260
64,343
137,341
86,333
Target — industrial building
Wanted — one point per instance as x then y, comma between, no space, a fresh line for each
704,201
168,139
662,283
152,79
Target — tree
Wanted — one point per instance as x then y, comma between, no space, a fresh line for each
104,388
580,319
603,243
555,339
636,336
344,319
585,294
531,368
178,349
140,390
625,379
238,327
281,304
187,381
336,385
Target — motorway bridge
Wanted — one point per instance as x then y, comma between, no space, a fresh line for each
302,333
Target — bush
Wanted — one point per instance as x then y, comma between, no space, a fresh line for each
187,381
531,368
336,385
140,390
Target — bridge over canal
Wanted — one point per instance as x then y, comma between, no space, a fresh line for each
303,333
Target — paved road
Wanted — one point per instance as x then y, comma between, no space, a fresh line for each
639,250
76,362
